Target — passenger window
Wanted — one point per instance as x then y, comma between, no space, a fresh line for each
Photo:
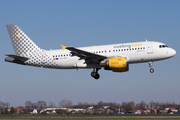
109,50
127,49
143,47
113,50
124,49
135,48
132,48
121,49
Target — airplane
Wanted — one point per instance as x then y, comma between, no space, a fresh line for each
114,57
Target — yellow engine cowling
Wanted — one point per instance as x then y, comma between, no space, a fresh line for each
117,64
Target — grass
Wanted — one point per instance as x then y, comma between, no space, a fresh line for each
90,117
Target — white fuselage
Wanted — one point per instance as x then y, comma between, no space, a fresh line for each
137,52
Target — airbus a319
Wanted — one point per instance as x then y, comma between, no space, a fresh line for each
114,57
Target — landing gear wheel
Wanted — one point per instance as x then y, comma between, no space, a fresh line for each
150,65
97,76
151,70
93,74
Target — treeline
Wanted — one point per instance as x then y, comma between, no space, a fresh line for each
129,106
126,106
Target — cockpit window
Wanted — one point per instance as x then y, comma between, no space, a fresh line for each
163,46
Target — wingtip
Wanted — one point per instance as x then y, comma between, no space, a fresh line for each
63,47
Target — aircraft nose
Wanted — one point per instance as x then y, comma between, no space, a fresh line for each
173,52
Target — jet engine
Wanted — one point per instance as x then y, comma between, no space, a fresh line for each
117,64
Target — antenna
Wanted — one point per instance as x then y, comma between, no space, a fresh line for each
146,40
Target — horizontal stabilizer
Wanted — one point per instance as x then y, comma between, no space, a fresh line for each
15,59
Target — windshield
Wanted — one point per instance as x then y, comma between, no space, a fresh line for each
163,46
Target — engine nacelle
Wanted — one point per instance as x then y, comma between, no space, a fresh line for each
117,64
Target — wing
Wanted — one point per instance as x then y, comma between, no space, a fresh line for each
88,56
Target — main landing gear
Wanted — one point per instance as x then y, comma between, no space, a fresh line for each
95,74
150,65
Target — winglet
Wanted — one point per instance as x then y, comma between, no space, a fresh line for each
63,47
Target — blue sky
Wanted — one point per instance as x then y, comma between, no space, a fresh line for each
86,23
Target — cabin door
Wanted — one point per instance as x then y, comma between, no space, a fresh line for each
149,48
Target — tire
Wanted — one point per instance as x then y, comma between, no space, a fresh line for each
151,70
93,74
97,76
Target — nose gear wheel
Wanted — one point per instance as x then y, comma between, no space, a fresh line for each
150,65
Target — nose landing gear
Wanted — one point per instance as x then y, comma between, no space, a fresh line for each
95,74
150,65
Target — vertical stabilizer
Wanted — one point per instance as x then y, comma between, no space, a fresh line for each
27,52
22,44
